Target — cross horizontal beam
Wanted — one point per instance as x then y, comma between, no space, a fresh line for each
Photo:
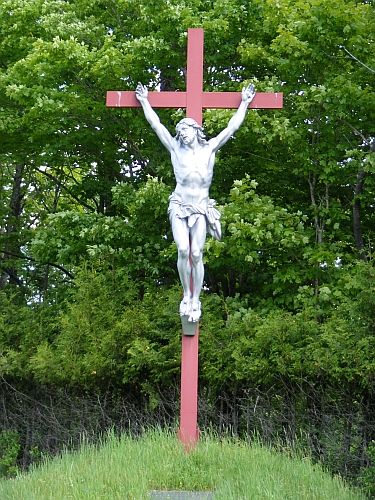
214,100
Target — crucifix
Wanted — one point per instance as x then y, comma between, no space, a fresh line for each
191,212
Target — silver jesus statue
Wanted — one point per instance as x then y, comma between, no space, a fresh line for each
191,211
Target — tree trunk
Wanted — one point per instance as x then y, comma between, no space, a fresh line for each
319,227
47,269
8,272
357,224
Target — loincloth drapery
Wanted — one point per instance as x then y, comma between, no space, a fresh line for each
192,211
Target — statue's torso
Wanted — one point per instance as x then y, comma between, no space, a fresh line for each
193,171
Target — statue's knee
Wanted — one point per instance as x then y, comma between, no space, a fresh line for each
196,256
183,253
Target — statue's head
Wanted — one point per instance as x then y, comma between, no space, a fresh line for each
191,123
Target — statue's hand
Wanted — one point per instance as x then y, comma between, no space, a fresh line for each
248,93
141,92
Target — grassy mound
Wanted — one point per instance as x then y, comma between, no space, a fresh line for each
129,468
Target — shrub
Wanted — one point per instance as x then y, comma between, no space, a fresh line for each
9,450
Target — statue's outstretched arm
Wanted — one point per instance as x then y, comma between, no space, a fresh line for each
248,94
141,93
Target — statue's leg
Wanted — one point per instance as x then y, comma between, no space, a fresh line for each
197,240
180,231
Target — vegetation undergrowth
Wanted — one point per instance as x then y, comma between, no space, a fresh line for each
129,468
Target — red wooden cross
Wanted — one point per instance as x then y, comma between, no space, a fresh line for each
194,99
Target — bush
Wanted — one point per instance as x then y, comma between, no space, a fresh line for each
9,450
367,477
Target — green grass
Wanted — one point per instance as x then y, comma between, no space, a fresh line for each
129,468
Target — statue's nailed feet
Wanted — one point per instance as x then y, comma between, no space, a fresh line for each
185,307
195,312
190,309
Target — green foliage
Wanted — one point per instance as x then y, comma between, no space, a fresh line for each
278,348
109,335
264,243
129,239
345,350
367,477
22,329
268,350
9,450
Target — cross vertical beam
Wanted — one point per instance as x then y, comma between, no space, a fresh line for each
188,431
194,74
